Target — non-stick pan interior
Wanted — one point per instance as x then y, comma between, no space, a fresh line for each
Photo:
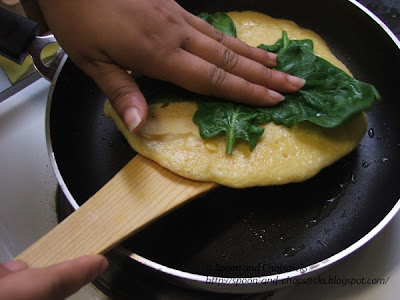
257,231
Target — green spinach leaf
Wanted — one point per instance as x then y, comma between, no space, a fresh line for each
236,121
220,21
330,96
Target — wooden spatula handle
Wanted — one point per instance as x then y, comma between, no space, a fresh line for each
140,193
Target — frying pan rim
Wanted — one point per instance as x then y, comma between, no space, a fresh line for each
301,272
377,20
237,283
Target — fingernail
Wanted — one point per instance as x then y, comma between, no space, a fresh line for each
276,96
296,81
272,55
132,118
14,265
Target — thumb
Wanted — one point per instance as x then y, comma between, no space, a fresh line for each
54,282
122,91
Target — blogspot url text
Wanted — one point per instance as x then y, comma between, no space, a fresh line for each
329,280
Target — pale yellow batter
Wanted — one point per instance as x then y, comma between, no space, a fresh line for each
282,155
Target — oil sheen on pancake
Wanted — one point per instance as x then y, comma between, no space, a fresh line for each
283,155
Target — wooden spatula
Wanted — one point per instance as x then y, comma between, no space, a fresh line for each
137,195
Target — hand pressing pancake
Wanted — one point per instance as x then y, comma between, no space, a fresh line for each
282,154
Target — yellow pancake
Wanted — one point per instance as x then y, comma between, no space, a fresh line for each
283,155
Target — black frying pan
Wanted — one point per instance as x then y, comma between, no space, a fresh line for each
244,238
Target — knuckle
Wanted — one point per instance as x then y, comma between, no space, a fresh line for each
219,36
118,96
217,76
230,59
251,91
268,74
248,51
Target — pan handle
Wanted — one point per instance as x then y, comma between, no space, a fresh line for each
18,38
16,32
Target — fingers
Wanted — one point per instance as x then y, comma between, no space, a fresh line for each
253,71
236,57
68,277
263,57
54,282
122,91
200,76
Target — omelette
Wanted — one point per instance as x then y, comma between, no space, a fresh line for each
282,155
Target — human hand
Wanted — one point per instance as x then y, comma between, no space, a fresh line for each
59,281
160,39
